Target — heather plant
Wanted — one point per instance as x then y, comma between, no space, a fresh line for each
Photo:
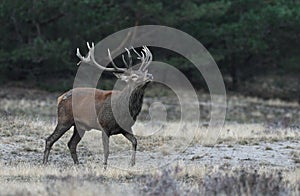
238,182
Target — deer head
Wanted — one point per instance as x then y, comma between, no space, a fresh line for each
133,77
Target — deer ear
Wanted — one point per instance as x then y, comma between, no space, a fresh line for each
118,75
121,76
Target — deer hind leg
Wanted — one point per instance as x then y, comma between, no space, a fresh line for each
59,131
72,144
105,141
133,141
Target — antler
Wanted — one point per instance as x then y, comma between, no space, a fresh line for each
148,59
90,59
145,56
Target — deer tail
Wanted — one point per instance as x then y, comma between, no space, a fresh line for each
64,97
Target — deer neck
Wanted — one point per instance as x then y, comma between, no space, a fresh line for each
136,101
134,96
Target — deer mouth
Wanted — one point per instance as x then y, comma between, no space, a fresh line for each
148,78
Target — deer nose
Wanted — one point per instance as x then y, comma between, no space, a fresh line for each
150,76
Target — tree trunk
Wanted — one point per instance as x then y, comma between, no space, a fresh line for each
234,77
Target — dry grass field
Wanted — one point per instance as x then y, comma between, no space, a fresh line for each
257,152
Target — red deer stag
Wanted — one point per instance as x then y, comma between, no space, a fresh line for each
129,99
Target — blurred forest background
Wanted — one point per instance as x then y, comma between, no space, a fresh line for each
254,42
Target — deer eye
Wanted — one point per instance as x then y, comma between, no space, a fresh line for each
134,76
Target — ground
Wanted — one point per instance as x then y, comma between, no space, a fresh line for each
257,151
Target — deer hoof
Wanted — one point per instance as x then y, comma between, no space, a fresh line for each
104,166
132,163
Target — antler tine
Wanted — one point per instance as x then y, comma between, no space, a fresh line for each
129,56
124,61
90,47
86,59
135,52
113,63
78,54
142,58
149,59
145,56
90,59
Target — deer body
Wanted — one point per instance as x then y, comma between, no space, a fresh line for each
129,99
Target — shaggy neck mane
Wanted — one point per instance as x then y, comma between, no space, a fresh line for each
136,101
134,96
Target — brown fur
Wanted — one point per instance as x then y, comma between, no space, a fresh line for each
87,118
89,108
85,95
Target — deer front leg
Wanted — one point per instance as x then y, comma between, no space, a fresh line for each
105,141
72,144
133,141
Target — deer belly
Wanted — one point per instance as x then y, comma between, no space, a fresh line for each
86,118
